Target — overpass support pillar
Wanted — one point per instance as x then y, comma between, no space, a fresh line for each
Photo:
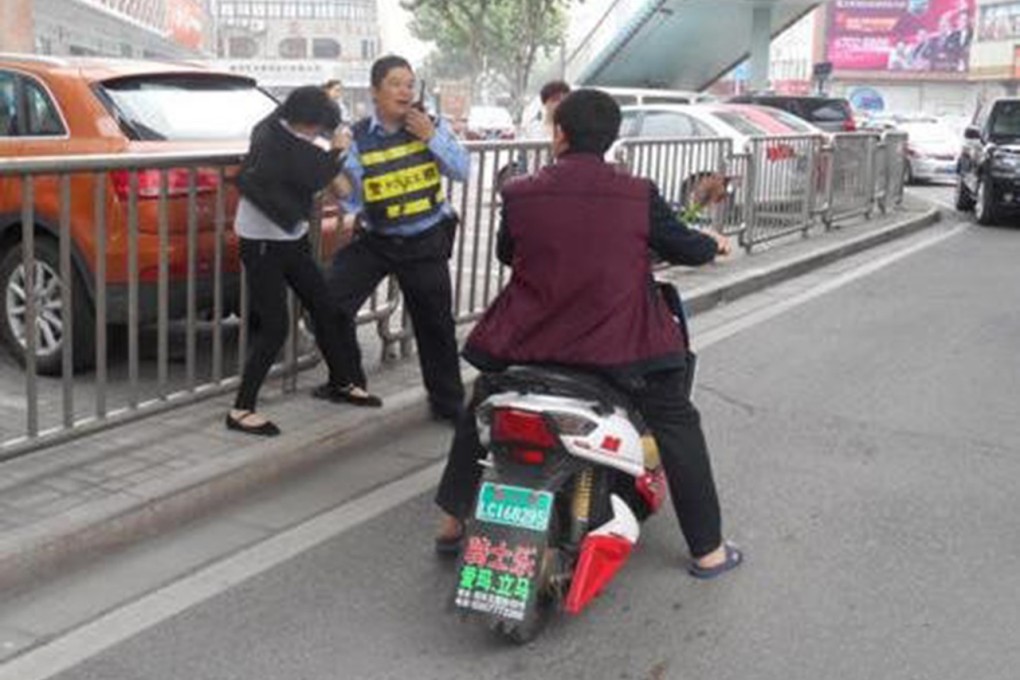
761,40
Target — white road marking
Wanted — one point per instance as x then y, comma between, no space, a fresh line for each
925,196
76,646
71,649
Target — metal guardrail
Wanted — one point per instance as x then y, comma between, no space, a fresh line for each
779,186
143,242
139,242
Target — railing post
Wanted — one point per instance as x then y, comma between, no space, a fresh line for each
750,196
831,163
869,179
29,291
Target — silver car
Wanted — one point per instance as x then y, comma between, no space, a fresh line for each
932,150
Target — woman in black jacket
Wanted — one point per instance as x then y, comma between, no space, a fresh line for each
287,164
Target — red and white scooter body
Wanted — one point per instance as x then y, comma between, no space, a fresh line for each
606,439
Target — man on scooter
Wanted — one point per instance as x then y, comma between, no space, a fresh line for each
577,235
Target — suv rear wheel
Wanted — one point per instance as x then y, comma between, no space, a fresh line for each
50,314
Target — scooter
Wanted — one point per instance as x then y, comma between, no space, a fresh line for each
570,473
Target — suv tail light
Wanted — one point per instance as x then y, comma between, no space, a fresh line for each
512,426
206,180
849,125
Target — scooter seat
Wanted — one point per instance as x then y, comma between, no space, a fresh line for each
559,381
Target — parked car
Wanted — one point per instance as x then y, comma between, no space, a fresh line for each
489,122
932,150
75,106
532,118
832,114
988,175
737,122
933,146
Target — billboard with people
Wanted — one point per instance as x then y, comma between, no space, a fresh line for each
999,22
901,35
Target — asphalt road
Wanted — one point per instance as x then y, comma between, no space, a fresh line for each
863,428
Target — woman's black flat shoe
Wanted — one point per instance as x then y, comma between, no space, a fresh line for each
346,394
264,429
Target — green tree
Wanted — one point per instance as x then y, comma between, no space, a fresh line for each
498,39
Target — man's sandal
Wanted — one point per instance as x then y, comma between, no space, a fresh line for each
449,546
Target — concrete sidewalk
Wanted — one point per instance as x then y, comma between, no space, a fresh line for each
78,499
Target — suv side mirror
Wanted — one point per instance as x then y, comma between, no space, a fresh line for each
972,132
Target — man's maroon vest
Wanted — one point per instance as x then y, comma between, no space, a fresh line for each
581,290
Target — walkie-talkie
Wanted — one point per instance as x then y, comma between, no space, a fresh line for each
420,104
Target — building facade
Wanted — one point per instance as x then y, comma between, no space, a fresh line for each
166,29
287,43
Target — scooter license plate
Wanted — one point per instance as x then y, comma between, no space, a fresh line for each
514,506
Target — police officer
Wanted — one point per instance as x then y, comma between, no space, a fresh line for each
403,225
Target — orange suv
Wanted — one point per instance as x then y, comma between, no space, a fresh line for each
76,106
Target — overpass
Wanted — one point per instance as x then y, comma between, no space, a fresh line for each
688,44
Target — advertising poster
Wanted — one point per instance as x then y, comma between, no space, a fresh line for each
184,19
901,35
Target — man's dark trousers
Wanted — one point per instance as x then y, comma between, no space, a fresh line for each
420,264
676,425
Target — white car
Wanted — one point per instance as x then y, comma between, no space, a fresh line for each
781,173
932,150
933,143
534,125
738,122
489,122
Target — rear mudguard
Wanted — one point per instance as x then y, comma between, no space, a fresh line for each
603,552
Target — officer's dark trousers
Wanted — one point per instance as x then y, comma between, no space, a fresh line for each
421,266
269,268
674,422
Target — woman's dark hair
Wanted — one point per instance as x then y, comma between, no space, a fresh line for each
310,105
554,88
590,119
383,65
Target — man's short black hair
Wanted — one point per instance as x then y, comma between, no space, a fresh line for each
554,88
590,119
383,65
310,105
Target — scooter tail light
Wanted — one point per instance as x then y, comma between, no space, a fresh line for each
527,428
523,456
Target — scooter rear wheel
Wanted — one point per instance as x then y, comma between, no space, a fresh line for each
549,593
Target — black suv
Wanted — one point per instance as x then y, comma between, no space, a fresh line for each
988,174
831,114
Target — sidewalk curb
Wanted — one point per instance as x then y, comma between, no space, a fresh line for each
87,531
